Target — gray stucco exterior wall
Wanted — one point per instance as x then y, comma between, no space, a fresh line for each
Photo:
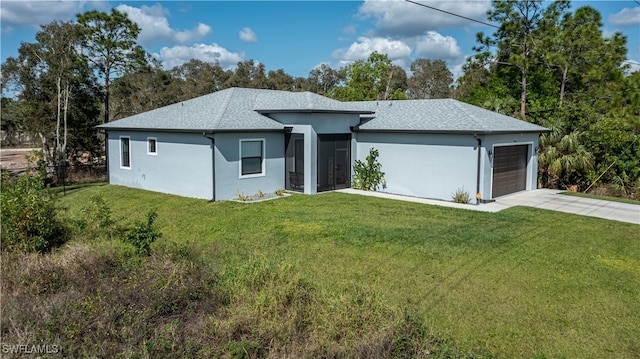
423,165
437,165
182,164
229,181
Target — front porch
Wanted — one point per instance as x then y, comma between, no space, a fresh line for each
318,163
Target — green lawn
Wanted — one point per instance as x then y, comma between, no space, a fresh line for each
520,283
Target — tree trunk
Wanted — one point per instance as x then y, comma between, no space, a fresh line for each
562,84
387,90
59,99
106,98
523,92
66,109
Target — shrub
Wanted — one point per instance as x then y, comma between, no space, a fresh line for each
29,220
368,176
461,196
242,196
143,234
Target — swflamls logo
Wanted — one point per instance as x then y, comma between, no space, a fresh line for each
30,349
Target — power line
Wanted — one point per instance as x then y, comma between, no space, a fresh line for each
450,13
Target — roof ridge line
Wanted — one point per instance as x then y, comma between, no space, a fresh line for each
471,115
225,107
309,98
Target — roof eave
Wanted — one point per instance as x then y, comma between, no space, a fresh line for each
181,130
457,132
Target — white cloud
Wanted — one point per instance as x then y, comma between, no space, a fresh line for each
626,17
154,25
196,34
247,35
633,66
178,55
435,46
365,46
398,17
37,13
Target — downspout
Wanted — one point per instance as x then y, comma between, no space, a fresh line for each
213,166
478,195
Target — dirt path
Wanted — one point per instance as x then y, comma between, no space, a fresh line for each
14,159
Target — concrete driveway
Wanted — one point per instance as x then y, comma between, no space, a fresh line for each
553,200
539,198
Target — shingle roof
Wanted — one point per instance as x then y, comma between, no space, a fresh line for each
283,101
234,109
230,109
439,116
240,109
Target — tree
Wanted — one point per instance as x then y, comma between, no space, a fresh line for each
196,78
110,46
372,79
563,159
56,91
145,90
280,80
58,49
323,79
518,38
431,79
248,74
11,124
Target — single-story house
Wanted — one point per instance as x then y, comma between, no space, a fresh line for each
241,141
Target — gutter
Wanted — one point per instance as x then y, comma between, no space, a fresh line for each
450,132
478,194
213,166
178,130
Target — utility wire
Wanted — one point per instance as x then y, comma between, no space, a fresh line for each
450,13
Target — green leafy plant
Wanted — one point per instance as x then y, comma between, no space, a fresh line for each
97,213
96,221
143,234
29,220
368,175
461,196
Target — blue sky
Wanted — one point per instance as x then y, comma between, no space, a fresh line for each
298,35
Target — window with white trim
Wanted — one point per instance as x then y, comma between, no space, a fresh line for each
125,153
251,158
152,144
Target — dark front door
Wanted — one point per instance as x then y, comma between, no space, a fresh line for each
509,169
334,162
294,162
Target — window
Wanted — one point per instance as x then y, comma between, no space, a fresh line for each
125,153
151,146
251,158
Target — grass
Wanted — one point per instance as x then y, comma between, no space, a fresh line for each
605,198
335,275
